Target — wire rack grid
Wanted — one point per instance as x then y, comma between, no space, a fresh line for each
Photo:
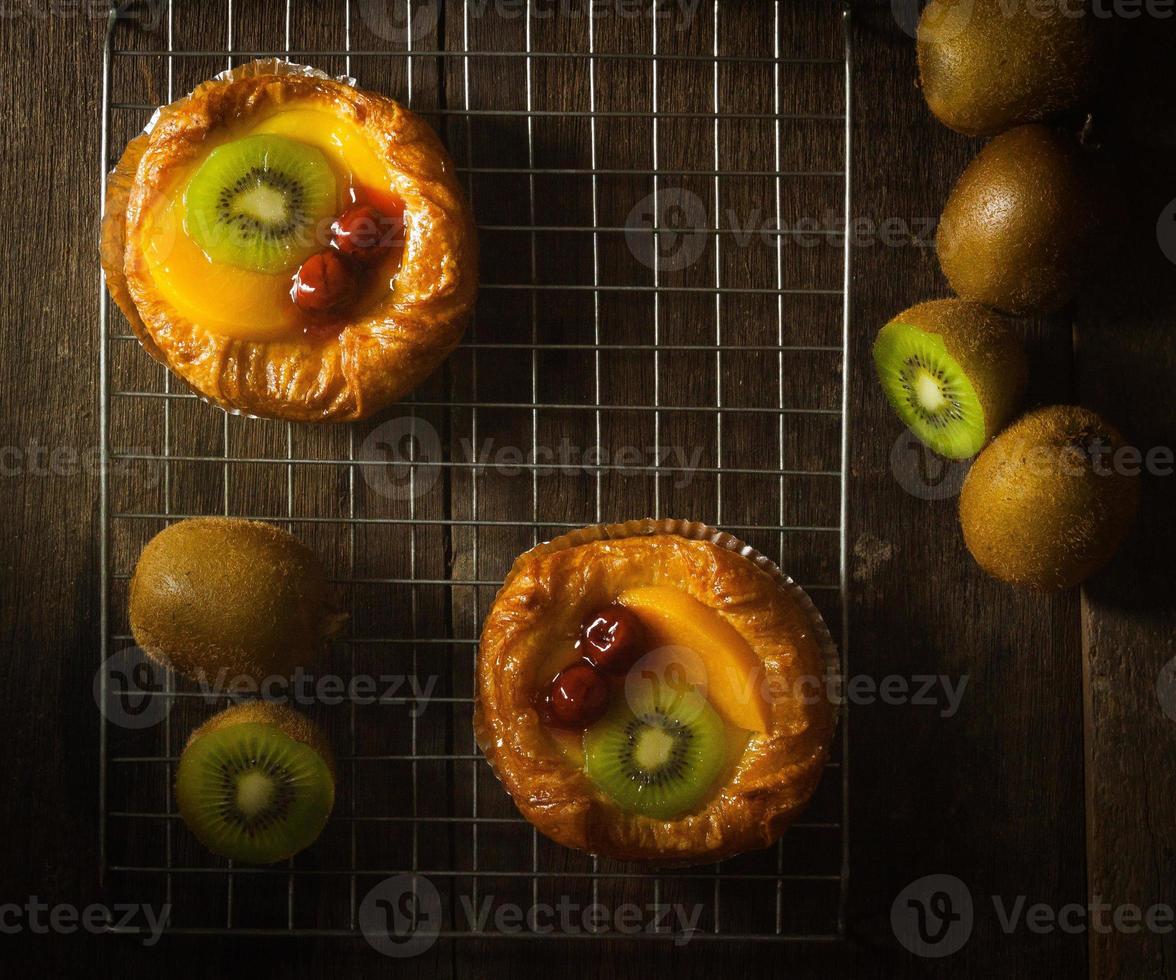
596,152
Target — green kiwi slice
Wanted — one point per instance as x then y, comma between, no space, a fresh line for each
258,203
658,755
256,783
954,372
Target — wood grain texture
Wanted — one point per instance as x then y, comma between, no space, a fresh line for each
994,794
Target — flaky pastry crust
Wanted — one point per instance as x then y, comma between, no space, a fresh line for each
544,601
378,356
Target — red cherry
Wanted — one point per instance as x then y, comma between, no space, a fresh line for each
323,282
578,696
613,639
361,232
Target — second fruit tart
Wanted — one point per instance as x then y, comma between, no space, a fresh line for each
654,691
291,246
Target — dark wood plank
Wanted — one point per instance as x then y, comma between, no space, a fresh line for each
1125,365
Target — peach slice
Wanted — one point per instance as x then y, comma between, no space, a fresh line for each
710,652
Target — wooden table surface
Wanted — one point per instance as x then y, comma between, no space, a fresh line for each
1054,782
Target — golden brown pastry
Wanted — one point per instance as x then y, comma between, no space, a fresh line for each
655,692
229,241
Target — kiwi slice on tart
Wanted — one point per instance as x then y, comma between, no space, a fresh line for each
256,783
260,202
954,371
657,753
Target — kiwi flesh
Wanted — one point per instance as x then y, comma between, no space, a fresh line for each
1046,506
955,373
657,753
221,598
256,783
260,202
1024,223
988,65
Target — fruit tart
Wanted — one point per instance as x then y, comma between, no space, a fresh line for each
291,246
655,691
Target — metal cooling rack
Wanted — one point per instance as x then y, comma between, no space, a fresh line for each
167,455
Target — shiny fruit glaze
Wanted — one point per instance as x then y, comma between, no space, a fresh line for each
325,282
366,234
613,639
577,697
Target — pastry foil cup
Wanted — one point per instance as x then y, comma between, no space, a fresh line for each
694,531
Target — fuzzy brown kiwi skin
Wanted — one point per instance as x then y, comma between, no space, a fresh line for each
1024,223
222,598
291,723
986,66
987,349
1034,510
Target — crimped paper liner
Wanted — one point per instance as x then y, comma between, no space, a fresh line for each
268,66
694,531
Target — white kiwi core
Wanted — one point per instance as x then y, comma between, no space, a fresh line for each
255,792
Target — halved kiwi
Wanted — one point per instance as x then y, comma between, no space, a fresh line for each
658,753
219,598
1048,503
954,371
256,783
260,202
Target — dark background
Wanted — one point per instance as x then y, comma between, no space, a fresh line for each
1055,781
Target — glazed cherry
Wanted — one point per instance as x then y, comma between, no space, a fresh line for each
324,282
613,639
361,232
578,697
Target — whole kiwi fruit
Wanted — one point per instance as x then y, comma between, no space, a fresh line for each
988,65
1050,500
954,371
1024,223
212,595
